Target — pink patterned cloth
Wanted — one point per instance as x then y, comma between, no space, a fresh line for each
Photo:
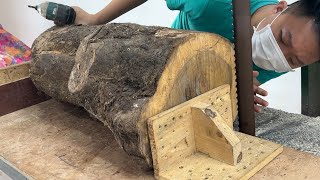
12,50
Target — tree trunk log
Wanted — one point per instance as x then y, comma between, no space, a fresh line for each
122,74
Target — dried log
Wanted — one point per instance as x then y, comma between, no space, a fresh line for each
122,74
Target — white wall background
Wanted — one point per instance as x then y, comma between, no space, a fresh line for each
26,24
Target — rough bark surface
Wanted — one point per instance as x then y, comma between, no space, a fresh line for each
122,74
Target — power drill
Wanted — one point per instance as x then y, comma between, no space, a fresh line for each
58,13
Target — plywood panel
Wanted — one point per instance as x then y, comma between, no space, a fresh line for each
290,165
14,73
199,166
174,135
52,140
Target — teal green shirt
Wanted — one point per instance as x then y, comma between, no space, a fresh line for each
215,16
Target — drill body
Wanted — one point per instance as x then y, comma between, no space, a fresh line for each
56,12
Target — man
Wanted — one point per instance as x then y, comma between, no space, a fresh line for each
284,38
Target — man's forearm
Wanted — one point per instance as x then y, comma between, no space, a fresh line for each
115,9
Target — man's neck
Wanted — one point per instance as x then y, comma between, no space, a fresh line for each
260,14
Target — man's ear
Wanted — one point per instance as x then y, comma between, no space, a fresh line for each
280,7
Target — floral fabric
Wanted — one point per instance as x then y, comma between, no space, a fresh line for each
12,50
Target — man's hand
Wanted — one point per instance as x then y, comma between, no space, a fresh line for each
82,17
112,11
258,101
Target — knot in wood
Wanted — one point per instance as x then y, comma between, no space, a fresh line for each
210,113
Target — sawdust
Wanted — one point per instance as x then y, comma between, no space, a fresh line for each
292,130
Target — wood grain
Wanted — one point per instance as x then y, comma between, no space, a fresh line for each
52,140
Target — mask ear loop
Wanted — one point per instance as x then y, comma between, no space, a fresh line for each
255,28
278,15
272,23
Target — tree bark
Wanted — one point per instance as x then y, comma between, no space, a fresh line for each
123,74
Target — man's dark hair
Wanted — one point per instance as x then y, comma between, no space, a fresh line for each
307,8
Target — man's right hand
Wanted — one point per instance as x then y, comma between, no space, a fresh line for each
82,17
258,101
113,10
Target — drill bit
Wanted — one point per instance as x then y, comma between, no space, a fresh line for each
34,7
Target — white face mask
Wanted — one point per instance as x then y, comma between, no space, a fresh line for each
266,52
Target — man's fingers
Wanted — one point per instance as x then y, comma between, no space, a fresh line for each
260,91
260,101
257,108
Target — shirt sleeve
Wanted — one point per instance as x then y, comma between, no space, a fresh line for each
265,75
175,4
192,8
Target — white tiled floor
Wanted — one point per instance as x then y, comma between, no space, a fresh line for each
4,176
